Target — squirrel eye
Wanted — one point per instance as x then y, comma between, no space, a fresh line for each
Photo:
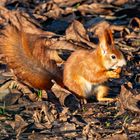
113,56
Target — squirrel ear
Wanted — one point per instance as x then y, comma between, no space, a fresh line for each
108,36
103,47
106,40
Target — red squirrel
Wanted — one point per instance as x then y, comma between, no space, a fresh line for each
85,71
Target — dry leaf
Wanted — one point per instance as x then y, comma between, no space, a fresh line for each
54,12
19,125
19,19
117,137
65,97
128,100
51,119
133,127
135,23
65,3
117,2
76,32
95,8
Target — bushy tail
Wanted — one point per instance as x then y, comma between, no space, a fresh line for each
16,50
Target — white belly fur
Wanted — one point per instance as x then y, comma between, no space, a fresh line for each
88,87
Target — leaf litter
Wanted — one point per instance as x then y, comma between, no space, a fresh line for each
63,26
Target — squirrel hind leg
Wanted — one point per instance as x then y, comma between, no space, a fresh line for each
102,92
75,87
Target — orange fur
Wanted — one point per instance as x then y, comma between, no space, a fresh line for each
86,70
26,55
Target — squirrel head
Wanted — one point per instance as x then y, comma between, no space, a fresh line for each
112,57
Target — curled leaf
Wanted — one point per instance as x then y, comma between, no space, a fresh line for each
76,32
128,100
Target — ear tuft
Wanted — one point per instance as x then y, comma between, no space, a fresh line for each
108,36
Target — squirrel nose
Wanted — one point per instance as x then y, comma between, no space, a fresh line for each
122,62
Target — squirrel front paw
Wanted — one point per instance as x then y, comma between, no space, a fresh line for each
112,74
118,70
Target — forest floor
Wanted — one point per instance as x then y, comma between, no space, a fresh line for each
57,114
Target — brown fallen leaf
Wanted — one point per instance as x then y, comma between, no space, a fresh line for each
65,97
18,18
36,136
12,90
135,23
117,137
104,24
89,131
66,129
76,32
66,3
96,8
19,125
43,114
133,127
128,100
117,2
94,28
3,2
48,116
12,98
59,50
62,45
53,10
54,47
